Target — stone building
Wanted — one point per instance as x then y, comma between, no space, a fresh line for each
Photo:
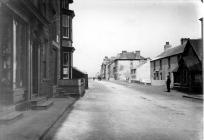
118,68
35,49
165,63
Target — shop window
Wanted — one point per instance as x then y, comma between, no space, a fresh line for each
19,54
161,76
6,52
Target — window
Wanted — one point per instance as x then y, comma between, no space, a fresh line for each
169,62
66,59
161,76
156,75
160,63
66,65
65,4
154,65
65,26
44,60
19,53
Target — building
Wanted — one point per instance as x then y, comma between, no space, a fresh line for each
188,75
118,68
141,73
103,67
166,62
35,49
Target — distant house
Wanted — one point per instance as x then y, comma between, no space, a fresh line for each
104,69
188,75
118,68
141,73
166,62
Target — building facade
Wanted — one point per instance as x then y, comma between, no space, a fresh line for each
119,67
140,73
165,63
35,48
189,74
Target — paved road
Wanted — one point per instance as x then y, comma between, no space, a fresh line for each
114,112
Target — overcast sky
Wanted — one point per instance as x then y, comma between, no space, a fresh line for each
106,27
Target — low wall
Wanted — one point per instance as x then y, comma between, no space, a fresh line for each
158,82
72,86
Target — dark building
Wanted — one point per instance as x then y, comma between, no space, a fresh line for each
35,49
188,75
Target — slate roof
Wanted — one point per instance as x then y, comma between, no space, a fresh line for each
171,51
128,56
198,47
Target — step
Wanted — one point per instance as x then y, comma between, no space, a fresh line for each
10,117
7,109
38,100
42,106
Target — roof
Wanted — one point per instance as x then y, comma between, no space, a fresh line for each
198,47
128,56
171,51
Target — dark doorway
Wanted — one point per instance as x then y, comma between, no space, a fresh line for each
35,69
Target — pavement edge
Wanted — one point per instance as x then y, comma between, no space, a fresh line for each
41,137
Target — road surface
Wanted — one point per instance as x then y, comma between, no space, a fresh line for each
109,111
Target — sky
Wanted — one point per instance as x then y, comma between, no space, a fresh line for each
107,27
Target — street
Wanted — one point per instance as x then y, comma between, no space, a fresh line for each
110,111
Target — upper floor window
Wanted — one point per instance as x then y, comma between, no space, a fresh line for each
65,26
160,64
169,62
65,4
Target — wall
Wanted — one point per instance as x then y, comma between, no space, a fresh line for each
123,69
143,73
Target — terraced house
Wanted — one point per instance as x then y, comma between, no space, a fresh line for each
182,63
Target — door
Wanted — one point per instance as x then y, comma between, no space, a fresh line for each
35,69
54,66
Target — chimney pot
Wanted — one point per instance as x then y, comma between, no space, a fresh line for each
167,46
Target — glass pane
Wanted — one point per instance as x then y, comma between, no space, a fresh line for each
66,59
65,21
6,52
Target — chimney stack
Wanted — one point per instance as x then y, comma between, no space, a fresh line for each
167,46
137,53
124,52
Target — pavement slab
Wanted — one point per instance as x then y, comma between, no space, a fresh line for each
35,123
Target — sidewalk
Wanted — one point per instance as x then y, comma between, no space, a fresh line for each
35,123
159,90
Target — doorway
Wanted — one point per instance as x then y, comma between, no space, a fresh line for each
35,68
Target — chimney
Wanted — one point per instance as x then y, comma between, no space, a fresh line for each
183,40
137,53
167,46
124,51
